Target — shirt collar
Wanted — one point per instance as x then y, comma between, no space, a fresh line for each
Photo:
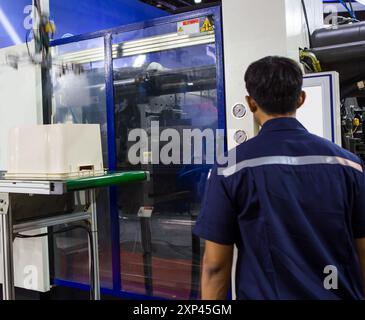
282,124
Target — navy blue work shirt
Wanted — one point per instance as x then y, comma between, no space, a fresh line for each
293,204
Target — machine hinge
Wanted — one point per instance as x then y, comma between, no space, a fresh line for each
4,203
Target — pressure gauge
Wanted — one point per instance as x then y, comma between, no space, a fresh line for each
240,136
239,110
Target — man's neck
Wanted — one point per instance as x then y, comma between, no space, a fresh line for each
265,117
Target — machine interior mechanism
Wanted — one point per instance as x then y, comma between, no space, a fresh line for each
341,48
163,78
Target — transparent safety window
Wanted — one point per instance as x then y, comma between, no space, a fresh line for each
164,79
79,96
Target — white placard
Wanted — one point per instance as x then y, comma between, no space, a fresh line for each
188,27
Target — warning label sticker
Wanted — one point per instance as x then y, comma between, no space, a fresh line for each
188,27
207,25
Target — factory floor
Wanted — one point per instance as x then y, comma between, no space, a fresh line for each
171,266
170,279
56,293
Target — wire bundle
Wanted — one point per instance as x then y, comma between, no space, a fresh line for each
349,9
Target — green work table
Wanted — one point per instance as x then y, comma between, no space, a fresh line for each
106,180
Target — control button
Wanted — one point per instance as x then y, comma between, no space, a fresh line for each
239,110
240,136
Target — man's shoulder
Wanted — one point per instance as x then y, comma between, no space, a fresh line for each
333,149
251,147
303,145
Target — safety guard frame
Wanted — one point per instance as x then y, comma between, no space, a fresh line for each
117,289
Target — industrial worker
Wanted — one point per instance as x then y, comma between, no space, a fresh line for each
294,204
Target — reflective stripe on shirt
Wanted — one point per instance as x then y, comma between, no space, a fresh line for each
291,161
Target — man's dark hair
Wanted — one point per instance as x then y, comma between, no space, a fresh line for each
275,83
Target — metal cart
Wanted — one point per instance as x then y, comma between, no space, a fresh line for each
42,187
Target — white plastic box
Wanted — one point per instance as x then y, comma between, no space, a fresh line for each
56,151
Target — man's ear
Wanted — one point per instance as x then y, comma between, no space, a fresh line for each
252,104
302,98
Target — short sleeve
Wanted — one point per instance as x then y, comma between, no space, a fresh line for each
217,221
358,217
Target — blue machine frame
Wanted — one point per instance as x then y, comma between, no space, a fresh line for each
112,159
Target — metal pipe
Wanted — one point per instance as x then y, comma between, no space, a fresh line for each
7,248
94,244
51,222
185,3
167,5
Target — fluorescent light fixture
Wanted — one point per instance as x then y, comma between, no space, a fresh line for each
200,1
4,21
361,1
140,60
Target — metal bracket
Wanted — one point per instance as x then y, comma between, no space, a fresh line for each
145,212
148,176
4,203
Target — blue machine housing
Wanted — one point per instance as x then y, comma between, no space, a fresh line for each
108,35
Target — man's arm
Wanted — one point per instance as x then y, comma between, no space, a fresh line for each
217,224
361,251
358,223
216,275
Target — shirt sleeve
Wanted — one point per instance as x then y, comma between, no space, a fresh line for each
358,218
217,221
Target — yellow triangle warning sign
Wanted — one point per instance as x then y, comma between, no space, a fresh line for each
207,25
180,30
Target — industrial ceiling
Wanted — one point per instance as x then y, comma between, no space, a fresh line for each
177,6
